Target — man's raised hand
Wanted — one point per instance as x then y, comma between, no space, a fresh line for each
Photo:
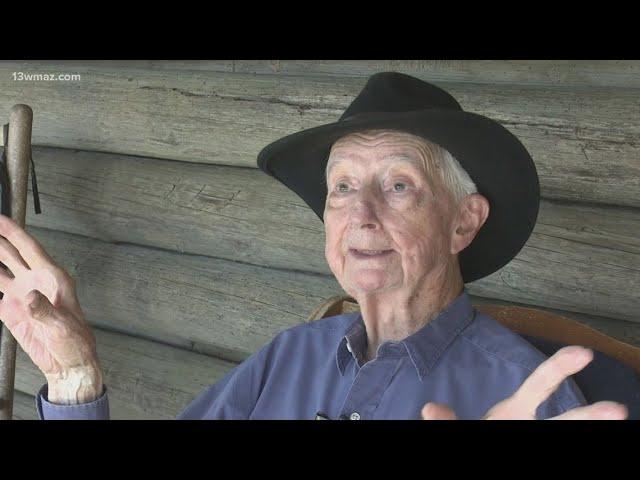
537,388
41,309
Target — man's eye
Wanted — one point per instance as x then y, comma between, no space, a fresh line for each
399,187
342,187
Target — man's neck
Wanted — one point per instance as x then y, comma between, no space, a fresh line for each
395,315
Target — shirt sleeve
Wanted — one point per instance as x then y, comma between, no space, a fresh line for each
96,410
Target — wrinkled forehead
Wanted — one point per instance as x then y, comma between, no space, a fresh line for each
389,145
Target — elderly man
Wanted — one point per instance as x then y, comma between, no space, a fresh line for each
418,197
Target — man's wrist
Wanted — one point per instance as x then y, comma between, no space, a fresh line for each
75,386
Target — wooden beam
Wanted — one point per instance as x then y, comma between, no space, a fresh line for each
231,309
24,406
584,141
580,259
588,253
215,306
235,213
552,73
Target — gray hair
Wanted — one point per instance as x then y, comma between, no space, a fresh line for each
454,178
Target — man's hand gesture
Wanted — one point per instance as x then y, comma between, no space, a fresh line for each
537,388
41,309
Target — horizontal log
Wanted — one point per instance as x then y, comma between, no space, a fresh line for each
145,380
583,73
231,309
581,259
584,141
234,213
24,406
216,306
590,254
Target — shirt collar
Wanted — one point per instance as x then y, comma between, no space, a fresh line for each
425,347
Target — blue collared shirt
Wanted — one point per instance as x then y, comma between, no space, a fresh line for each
462,358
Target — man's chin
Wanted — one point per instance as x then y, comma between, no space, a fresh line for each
371,283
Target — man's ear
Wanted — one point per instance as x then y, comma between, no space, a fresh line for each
473,211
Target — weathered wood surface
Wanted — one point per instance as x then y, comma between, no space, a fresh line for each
584,140
216,306
584,73
583,258
145,380
607,73
231,309
235,213
24,406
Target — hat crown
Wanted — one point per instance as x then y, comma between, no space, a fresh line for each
388,92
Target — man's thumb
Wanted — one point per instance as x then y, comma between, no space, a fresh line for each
437,411
39,305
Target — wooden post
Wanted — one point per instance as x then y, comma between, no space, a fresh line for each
18,161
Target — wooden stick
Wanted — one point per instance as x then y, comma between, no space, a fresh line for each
18,161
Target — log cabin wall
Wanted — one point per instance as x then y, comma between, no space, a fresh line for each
188,258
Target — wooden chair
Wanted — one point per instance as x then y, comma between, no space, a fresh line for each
614,373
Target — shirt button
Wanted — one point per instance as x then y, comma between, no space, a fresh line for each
355,416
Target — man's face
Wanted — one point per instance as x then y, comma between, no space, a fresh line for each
387,221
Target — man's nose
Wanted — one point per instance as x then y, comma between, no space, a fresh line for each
364,212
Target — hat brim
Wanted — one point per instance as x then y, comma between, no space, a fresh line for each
494,158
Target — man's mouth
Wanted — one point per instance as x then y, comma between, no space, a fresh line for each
364,253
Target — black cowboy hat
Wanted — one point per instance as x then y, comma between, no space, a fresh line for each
494,158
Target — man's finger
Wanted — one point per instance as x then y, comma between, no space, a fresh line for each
47,283
549,375
29,249
11,258
39,305
596,411
437,411
5,280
